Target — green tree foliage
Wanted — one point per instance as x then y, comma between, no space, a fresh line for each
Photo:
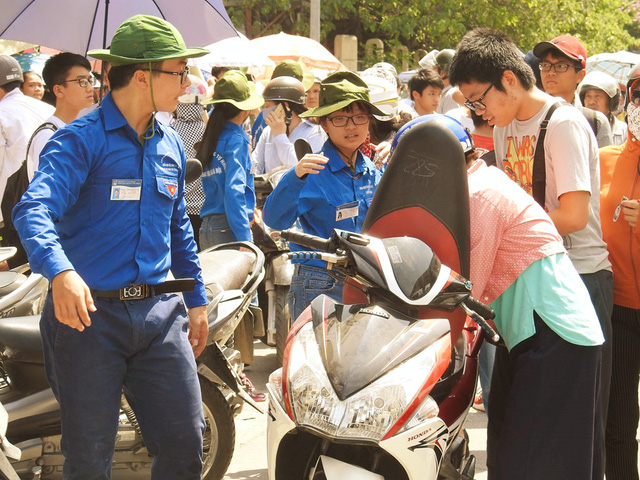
602,25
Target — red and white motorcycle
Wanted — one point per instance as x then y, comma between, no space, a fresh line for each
378,387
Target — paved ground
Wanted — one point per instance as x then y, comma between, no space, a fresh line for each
250,457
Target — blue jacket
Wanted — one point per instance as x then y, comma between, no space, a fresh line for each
320,199
110,207
228,183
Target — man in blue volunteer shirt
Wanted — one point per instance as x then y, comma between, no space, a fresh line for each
104,220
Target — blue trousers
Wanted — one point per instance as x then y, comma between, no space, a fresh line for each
215,230
306,284
140,346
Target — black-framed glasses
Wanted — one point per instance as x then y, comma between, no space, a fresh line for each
557,67
84,82
478,105
183,74
342,121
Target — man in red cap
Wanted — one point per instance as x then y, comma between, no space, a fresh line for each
562,67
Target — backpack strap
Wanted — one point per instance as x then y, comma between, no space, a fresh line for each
539,182
44,126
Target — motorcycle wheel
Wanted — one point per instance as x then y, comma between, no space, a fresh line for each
283,320
220,432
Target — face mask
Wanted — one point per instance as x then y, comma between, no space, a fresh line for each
633,120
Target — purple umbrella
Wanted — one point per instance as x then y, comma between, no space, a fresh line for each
79,26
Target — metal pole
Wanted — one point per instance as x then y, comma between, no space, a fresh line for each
314,21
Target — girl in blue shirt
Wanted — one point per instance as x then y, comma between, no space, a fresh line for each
227,181
330,189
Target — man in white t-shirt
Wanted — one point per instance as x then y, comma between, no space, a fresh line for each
19,117
497,83
68,76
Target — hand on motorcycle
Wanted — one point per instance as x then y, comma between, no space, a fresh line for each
311,163
276,121
631,210
383,149
198,329
72,300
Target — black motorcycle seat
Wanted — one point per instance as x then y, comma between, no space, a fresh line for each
229,268
20,338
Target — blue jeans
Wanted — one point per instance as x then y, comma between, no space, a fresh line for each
214,231
486,360
138,345
306,284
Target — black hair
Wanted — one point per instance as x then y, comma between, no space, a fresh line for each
296,108
422,79
382,130
57,67
222,112
120,76
483,55
217,71
7,87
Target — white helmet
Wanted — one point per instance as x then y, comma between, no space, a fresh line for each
383,95
196,92
601,81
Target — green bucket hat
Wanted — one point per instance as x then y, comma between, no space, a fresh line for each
291,68
339,90
234,88
144,38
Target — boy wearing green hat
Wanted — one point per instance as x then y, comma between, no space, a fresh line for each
104,220
330,189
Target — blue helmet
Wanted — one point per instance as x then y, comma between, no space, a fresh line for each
462,133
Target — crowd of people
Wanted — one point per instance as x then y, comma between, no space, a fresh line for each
553,182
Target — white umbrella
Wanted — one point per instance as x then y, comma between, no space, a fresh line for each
78,26
233,52
315,57
618,64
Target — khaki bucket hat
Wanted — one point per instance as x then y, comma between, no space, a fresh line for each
145,38
339,90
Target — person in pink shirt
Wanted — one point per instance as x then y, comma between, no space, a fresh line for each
543,415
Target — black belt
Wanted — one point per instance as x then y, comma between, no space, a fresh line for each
138,291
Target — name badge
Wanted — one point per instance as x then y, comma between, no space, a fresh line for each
348,210
128,189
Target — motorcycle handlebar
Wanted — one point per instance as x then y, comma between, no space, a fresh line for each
309,241
480,308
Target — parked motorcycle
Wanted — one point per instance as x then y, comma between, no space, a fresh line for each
21,292
379,386
231,278
278,267
7,451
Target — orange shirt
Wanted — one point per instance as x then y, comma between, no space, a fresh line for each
619,177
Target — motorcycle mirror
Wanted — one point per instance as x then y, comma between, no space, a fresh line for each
194,170
302,147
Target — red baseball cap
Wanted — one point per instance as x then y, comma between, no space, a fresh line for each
568,45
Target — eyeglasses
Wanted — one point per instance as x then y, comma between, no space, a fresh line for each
183,74
478,105
342,121
84,82
557,67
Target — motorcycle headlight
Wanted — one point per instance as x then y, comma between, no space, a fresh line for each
369,413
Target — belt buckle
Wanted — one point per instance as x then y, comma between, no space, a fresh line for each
136,291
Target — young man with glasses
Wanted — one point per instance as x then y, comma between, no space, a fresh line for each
104,220
329,189
488,66
562,68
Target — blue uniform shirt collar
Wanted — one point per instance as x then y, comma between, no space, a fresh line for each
237,129
336,163
113,118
